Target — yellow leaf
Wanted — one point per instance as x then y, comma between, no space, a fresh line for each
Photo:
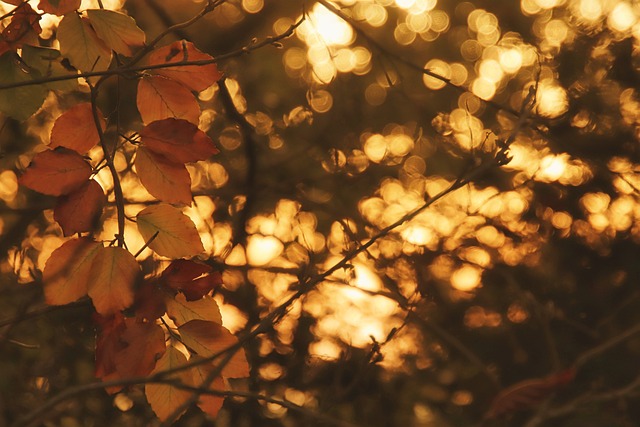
165,180
161,98
165,399
118,31
80,44
183,311
177,236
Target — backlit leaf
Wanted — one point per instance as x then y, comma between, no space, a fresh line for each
165,180
56,172
183,311
108,342
195,77
178,140
160,98
76,129
46,62
113,275
177,236
165,399
68,271
118,31
31,97
209,404
209,338
76,212
80,44
23,28
59,7
192,278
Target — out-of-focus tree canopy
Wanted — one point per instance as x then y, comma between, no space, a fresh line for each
350,212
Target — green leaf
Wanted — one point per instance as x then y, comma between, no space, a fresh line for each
117,30
20,102
46,62
80,44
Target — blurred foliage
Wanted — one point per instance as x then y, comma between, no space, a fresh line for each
516,275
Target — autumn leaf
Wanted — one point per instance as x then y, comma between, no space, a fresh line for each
166,399
45,62
108,342
178,140
128,352
176,237
208,338
118,31
149,302
30,97
23,29
183,311
80,44
161,98
195,77
68,271
76,129
527,394
59,7
192,278
77,211
113,275
56,172
165,180
209,404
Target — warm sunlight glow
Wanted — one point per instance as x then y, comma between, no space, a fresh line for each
466,278
552,100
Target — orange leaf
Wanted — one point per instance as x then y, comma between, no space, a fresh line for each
183,311
178,140
59,7
80,44
160,98
56,172
195,77
68,271
209,338
209,404
527,394
76,129
118,31
131,352
113,275
176,237
165,180
77,211
191,278
165,399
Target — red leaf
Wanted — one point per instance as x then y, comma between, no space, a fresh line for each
149,302
195,77
191,278
56,172
76,129
77,211
178,140
108,342
135,352
527,394
161,98
165,180
23,28
114,273
59,7
68,271
209,338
